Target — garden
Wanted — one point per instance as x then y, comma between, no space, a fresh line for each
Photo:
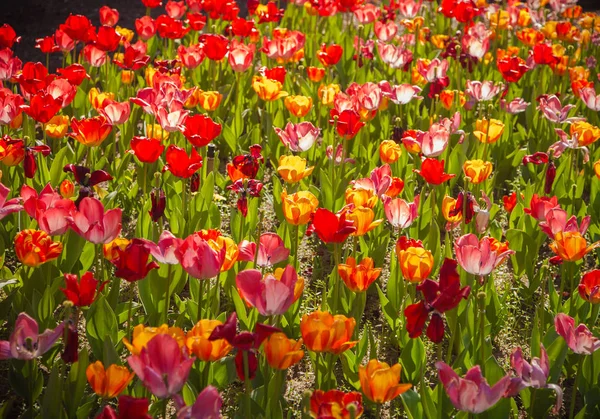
306,209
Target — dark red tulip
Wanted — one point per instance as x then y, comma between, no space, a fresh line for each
132,262
129,408
246,166
245,188
432,171
550,175
71,352
466,209
82,292
159,202
29,164
195,183
536,158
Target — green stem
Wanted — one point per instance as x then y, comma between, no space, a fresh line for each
336,279
129,317
167,295
296,241
481,297
574,392
201,298
248,386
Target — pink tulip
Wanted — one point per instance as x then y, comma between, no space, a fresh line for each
298,137
553,110
165,250
539,206
404,93
8,206
483,91
51,211
395,57
170,121
207,405
472,393
192,56
95,225
367,13
117,113
25,343
369,96
379,181
269,295
271,250
515,106
198,259
409,9
579,339
590,98
477,256
565,142
241,56
557,221
434,71
482,218
62,90
400,213
385,31
435,140
533,375
162,366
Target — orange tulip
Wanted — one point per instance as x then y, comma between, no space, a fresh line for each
281,352
363,220
359,277
327,93
389,151
110,382
395,188
67,189
11,154
416,263
90,132
111,250
324,332
35,247
198,343
267,89
586,133
597,169
477,171
298,207
143,334
571,245
127,76
293,168
439,41
57,126
381,383
298,106
361,197
315,74
488,131
447,98
210,100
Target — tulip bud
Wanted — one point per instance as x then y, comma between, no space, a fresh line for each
159,203
550,175
29,165
67,189
195,183
70,353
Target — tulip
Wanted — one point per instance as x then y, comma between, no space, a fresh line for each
293,168
479,257
180,164
324,332
347,123
451,212
359,277
270,296
362,218
8,206
209,100
162,366
57,126
129,408
512,68
571,246
432,171
281,352
335,403
94,224
164,250
389,151
589,286
299,106
84,291
298,207
597,169
585,133
42,107
534,375
539,206
381,383
207,405
198,343
477,171
327,93
132,262
315,74
332,228
90,132
553,110
147,150
35,247
198,258
25,342
142,335
267,89
590,98
361,197
400,213
330,55
298,137
579,339
471,393
415,263
110,382
200,130
245,166
482,91
488,131
271,250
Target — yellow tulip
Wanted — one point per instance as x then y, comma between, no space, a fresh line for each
477,171
293,168
298,207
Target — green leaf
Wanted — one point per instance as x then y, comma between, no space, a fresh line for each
52,401
76,383
101,322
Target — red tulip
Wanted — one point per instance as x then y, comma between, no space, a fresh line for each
512,68
275,73
75,74
107,39
543,54
180,164
34,77
47,45
432,171
108,16
245,166
8,36
330,55
147,150
132,262
196,21
200,130
539,206
536,158
129,408
133,58
42,107
170,28
215,46
79,28
145,27
510,202
82,292
330,227
347,123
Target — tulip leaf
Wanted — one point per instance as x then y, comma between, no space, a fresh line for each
52,401
76,383
413,359
101,323
412,406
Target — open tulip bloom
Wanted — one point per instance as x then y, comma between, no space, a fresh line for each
250,198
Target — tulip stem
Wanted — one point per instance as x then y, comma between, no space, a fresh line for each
296,241
574,391
248,386
336,280
481,296
165,408
129,317
201,298
167,296
184,202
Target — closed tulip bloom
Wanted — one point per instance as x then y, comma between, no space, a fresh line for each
415,263
324,332
147,150
589,287
472,393
143,334
270,296
162,366
205,349
400,213
571,246
110,382
198,258
281,352
35,247
363,220
67,189
327,93
180,164
361,197
209,100
94,224
298,137
298,106
389,151
241,56
267,89
315,74
579,339
380,382
293,168
448,207
90,132
488,131
298,207
359,277
477,171
57,126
